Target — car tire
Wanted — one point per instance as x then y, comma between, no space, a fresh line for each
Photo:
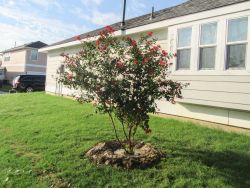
29,89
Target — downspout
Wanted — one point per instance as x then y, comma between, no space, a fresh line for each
25,62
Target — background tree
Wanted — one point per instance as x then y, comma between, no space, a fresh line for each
124,77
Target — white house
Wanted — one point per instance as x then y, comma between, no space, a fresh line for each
211,39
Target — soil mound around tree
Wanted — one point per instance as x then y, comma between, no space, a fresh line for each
111,153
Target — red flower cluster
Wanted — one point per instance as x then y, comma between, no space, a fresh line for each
135,62
128,38
71,62
146,60
106,31
69,77
161,62
150,34
109,29
78,37
156,48
149,42
97,42
133,42
164,53
102,48
119,65
151,51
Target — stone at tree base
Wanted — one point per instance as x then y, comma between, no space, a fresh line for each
120,152
111,153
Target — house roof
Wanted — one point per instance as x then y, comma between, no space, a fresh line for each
189,7
37,44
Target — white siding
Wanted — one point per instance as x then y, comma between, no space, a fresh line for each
160,34
53,64
207,113
219,95
220,91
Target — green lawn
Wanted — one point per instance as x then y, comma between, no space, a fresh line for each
43,139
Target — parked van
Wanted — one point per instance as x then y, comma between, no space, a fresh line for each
29,83
2,76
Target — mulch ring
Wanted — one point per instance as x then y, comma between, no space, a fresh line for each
111,153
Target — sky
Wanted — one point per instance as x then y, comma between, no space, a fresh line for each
24,21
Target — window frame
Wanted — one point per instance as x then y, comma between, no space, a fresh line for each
184,48
6,57
32,54
214,45
244,42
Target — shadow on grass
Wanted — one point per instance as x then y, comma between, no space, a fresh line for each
233,166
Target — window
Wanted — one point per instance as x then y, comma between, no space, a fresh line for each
237,43
208,42
184,48
34,55
7,57
39,78
26,78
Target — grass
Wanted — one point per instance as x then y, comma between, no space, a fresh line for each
43,139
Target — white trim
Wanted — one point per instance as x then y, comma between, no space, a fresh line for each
34,65
27,65
184,47
220,64
236,43
13,65
36,73
37,53
248,48
236,72
201,46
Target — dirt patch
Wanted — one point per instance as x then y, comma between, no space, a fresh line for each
53,179
111,153
43,176
4,130
22,150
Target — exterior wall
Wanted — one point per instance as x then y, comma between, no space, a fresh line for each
1,59
160,34
53,65
38,66
219,95
21,63
41,61
16,65
214,114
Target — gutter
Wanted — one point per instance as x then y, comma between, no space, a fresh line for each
14,50
74,43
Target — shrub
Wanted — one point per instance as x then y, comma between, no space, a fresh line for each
124,78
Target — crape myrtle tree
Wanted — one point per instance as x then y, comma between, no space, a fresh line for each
124,78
